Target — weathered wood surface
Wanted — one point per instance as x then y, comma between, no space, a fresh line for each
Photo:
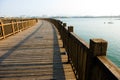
34,54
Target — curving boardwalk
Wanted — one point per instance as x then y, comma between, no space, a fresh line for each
34,54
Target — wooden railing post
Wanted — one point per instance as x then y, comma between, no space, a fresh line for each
27,24
22,23
70,29
57,23
17,26
3,32
60,29
36,20
63,34
98,47
64,24
13,29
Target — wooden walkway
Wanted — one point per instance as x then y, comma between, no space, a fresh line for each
34,54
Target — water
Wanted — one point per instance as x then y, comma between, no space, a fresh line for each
88,28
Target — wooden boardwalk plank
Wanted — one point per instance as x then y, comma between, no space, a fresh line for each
34,54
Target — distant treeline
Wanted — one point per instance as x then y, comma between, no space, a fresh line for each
85,17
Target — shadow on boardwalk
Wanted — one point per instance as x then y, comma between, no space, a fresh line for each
58,72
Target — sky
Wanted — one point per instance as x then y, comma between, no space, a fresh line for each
59,7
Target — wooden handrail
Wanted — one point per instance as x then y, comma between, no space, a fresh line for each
12,26
89,61
109,65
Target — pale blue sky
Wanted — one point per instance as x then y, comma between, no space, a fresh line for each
59,7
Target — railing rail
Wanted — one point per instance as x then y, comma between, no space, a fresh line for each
89,61
12,26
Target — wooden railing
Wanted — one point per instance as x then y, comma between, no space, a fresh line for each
12,26
89,61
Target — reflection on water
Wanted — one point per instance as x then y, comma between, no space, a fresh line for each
108,29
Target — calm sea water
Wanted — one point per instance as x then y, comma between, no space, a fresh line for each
88,28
